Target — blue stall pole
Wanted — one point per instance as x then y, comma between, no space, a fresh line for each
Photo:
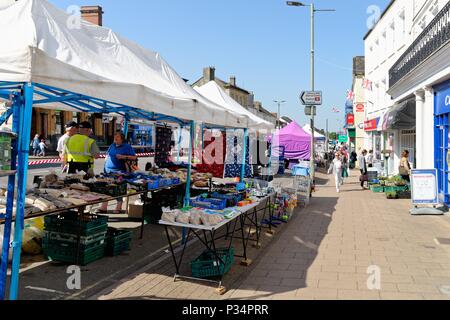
188,178
9,202
125,127
244,158
24,149
179,142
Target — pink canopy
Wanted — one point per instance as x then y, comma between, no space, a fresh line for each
295,141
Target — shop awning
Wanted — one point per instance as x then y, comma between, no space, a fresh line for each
401,116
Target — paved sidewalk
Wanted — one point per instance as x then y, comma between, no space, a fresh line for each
325,252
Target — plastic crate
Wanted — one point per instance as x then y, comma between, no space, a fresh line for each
85,242
396,189
207,204
113,190
232,198
207,265
300,171
153,184
117,241
165,183
67,252
69,223
379,189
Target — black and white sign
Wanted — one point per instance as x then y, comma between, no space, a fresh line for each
311,98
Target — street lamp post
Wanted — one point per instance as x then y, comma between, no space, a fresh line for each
313,10
279,111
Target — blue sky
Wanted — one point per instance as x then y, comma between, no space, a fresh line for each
264,43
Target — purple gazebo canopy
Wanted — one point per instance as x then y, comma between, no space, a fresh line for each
295,141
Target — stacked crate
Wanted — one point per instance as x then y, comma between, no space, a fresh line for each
75,239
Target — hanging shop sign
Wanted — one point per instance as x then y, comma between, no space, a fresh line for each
371,125
360,107
424,187
343,139
442,98
350,120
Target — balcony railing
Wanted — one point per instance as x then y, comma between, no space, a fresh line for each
433,37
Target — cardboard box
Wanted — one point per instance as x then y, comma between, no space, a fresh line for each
135,211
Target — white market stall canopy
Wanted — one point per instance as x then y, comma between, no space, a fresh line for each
317,135
39,45
215,93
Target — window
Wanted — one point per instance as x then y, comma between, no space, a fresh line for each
434,8
392,39
402,26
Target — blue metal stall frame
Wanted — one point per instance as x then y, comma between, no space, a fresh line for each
22,95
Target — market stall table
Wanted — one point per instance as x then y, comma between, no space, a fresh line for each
240,216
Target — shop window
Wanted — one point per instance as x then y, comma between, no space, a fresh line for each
58,122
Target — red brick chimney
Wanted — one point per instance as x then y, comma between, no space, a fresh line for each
92,14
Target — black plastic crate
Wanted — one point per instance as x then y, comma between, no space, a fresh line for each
113,190
71,223
117,241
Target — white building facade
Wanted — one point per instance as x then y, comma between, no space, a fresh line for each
407,60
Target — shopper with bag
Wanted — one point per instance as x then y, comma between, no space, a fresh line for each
120,158
336,169
363,168
405,166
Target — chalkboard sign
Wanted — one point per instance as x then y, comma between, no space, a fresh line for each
424,187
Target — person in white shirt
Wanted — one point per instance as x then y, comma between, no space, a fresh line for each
336,169
71,129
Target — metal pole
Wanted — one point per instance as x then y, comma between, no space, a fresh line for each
179,143
313,109
244,157
10,201
125,128
188,178
24,149
279,115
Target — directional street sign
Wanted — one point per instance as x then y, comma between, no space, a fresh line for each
311,98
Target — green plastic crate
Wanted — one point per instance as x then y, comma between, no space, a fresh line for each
71,239
113,190
117,241
69,223
207,265
66,252
396,189
377,189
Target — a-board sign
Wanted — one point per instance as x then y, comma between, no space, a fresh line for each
424,187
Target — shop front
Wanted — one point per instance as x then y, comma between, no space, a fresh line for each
442,139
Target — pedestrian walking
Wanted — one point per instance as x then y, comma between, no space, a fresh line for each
35,145
405,166
42,147
336,170
363,168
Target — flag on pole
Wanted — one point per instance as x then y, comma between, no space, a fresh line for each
350,95
367,84
335,110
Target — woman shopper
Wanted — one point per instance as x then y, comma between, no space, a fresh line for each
363,168
405,166
35,145
336,169
118,161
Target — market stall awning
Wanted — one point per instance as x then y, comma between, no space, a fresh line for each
317,135
215,93
295,141
401,116
42,44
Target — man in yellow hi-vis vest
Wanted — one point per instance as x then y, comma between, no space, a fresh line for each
81,151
